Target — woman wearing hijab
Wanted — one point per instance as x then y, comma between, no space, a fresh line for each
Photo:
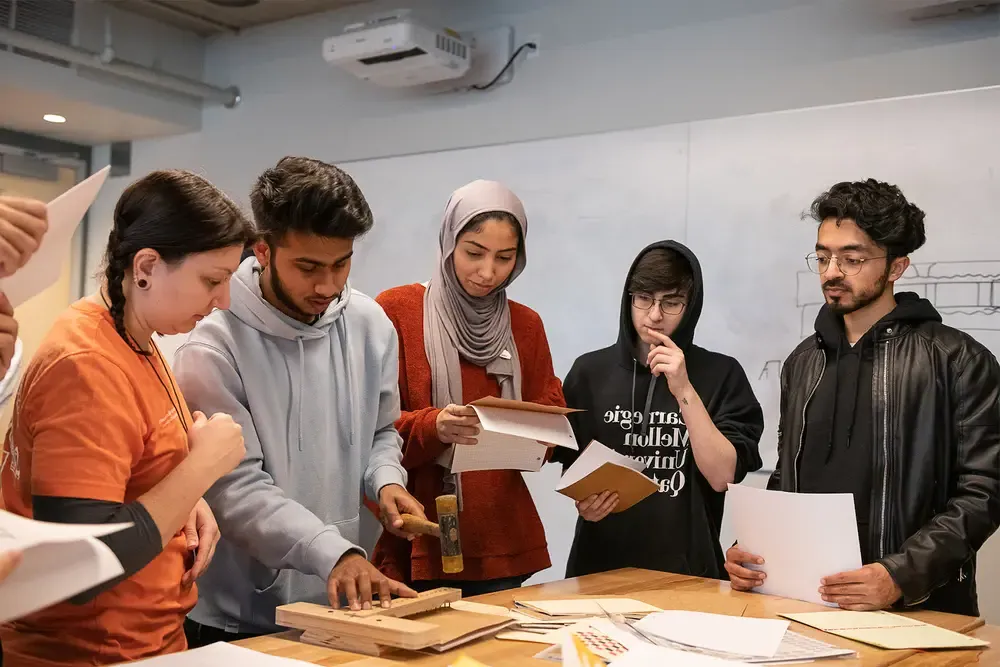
461,339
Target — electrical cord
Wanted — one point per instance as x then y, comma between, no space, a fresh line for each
517,52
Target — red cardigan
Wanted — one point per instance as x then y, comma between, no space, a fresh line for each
501,533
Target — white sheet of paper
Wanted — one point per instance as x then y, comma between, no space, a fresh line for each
645,655
732,634
802,537
220,653
592,458
45,266
589,607
509,440
60,560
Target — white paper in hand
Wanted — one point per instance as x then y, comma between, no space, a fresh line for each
592,458
60,560
43,269
802,537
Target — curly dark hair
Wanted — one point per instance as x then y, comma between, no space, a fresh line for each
307,195
879,209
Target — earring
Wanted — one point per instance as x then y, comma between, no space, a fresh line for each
141,283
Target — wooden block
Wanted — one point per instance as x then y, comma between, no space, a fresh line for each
385,630
402,607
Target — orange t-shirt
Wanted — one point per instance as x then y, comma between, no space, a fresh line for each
93,419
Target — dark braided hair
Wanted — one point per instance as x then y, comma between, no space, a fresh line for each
176,213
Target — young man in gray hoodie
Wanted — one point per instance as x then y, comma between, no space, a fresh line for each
309,368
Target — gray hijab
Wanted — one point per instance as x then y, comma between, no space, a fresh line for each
458,326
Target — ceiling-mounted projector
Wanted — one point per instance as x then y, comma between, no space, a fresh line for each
395,51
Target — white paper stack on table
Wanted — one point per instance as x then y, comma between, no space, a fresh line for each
797,548
60,560
510,436
716,636
600,469
44,268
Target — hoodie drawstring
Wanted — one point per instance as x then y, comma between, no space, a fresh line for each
648,412
855,358
302,374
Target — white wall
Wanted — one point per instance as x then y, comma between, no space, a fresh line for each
603,66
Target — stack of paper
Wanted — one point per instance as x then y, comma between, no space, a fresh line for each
511,436
600,469
759,637
44,268
60,560
798,550
586,607
885,630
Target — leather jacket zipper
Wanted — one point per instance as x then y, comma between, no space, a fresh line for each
885,443
802,429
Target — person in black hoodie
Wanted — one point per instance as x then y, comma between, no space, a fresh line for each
688,413
887,403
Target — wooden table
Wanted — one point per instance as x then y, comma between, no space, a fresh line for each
497,653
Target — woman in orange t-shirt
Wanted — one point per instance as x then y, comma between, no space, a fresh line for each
100,433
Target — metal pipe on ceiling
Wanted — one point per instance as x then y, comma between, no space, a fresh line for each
228,97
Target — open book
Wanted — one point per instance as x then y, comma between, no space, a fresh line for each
602,469
511,436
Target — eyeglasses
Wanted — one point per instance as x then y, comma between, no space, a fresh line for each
668,305
849,266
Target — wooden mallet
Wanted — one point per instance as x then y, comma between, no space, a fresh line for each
446,530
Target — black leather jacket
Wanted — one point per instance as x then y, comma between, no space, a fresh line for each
936,451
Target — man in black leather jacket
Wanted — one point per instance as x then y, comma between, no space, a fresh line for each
889,404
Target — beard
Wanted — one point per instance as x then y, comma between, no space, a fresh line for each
285,298
851,300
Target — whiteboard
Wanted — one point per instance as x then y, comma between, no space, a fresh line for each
753,177
734,190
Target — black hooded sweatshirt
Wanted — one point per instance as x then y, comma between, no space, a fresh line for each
630,411
837,452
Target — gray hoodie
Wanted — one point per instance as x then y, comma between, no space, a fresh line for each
317,404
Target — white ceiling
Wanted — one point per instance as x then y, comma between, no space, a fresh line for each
85,123
208,17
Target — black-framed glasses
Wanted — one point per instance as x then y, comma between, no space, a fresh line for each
669,305
849,266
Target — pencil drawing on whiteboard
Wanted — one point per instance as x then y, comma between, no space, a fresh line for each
966,293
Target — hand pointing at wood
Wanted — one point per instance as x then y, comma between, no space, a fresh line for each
667,359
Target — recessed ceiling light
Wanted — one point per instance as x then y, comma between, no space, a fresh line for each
54,118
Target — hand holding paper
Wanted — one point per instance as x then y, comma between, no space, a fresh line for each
600,474
457,425
41,269
797,551
865,589
23,223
